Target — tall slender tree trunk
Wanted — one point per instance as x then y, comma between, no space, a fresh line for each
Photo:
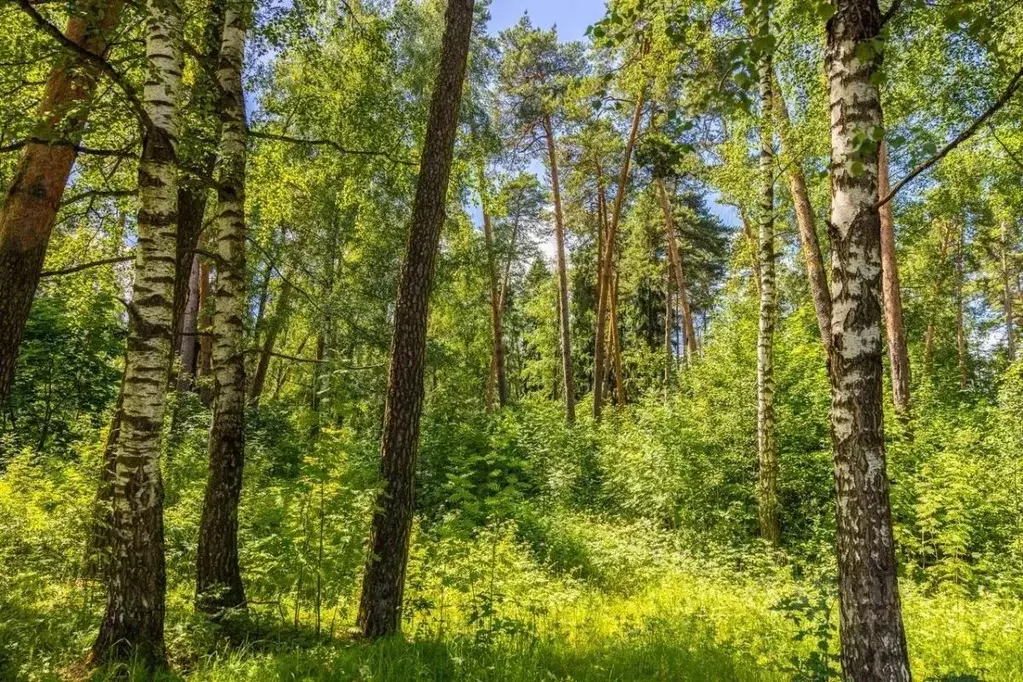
961,350
218,576
205,362
263,366
898,351
872,634
616,345
383,584
497,356
188,341
603,284
675,260
767,482
811,246
33,197
1008,291
564,319
192,192
136,586
669,325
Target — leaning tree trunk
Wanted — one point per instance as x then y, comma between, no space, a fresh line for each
604,279
767,483
563,315
263,365
675,258
33,197
383,584
898,352
218,576
811,246
188,337
136,587
872,634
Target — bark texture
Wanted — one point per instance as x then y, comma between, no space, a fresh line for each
898,350
872,634
133,623
604,281
33,198
564,319
383,583
767,479
218,576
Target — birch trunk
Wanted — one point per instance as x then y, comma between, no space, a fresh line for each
563,314
767,483
605,262
33,197
218,576
872,634
383,583
136,588
898,352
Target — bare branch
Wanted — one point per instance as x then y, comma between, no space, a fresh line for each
85,266
960,138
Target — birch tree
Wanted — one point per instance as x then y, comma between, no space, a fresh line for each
133,623
872,634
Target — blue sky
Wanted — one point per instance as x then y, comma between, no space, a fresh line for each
571,16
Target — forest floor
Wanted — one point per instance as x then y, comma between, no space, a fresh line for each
691,622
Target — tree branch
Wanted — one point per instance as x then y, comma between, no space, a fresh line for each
962,137
79,149
85,266
327,143
91,57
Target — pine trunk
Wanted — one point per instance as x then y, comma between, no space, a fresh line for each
33,197
872,635
816,274
383,584
675,258
564,319
218,576
898,352
767,483
604,280
136,587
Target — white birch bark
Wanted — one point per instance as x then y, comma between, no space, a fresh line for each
133,624
872,634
